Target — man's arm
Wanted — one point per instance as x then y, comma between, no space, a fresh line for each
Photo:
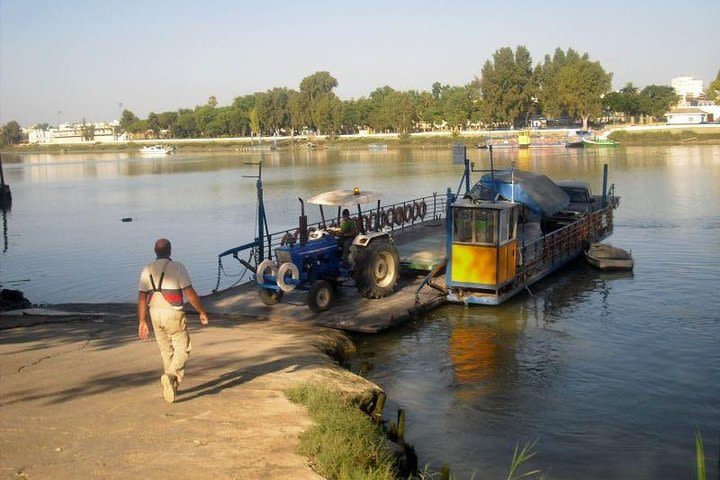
143,330
194,300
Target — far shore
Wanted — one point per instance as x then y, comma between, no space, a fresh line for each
628,135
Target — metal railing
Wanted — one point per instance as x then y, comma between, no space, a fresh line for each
564,243
381,218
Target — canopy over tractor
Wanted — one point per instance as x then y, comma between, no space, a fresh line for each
345,198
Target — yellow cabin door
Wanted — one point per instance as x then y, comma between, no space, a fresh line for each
507,261
474,264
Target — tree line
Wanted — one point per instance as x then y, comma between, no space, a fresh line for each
509,91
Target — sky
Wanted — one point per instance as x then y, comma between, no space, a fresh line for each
72,60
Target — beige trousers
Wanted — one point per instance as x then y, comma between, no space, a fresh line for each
170,327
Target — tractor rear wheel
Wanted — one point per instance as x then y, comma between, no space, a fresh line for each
376,268
319,296
270,296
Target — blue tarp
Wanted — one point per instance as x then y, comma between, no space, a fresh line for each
540,194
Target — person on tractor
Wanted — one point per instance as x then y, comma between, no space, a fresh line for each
347,225
345,233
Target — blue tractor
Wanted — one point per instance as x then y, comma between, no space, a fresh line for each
322,260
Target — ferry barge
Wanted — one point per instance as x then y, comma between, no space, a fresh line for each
513,228
481,245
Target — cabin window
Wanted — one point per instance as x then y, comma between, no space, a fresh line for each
507,225
504,224
485,226
577,195
474,226
463,225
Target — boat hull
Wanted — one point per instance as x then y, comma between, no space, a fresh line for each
157,150
608,258
600,142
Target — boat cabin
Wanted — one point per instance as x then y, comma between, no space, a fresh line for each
483,248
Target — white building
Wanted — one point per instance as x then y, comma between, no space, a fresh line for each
682,116
687,87
77,133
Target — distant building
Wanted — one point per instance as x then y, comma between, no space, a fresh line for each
538,121
77,133
713,112
687,115
688,88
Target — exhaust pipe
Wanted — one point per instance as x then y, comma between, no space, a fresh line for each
302,221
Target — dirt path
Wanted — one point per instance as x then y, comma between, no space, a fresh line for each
81,398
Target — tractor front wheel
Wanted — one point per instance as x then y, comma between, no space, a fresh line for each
376,269
319,296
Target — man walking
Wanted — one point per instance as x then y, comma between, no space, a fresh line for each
162,286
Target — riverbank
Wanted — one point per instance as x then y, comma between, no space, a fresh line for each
82,399
686,135
631,135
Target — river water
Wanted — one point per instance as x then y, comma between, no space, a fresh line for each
610,374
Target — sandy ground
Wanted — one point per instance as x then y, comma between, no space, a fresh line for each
80,397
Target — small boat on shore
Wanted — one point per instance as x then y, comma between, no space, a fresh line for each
600,142
608,258
157,150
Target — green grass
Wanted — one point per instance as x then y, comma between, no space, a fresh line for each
668,137
343,444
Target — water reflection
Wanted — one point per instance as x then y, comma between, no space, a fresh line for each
481,356
487,346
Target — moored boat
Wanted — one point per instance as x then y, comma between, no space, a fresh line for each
574,143
606,257
157,150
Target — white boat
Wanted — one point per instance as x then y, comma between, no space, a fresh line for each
157,150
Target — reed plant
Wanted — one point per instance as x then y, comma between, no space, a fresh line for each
521,457
700,458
